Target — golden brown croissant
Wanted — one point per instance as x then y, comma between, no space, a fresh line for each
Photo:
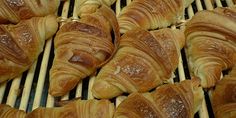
15,10
143,61
9,112
211,45
21,44
224,96
90,6
77,109
80,48
181,100
151,14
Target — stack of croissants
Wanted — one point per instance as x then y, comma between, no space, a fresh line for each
135,54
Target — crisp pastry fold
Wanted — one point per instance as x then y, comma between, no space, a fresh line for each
90,6
211,44
81,47
21,44
16,10
151,14
223,97
180,100
143,61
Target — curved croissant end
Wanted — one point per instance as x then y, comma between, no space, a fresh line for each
21,44
90,6
14,11
102,89
143,61
51,26
171,100
211,44
151,14
223,97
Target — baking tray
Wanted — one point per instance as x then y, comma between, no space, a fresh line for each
30,90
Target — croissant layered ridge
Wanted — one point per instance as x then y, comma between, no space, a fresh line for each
223,96
180,100
211,44
81,47
8,112
151,14
143,61
16,10
21,44
90,6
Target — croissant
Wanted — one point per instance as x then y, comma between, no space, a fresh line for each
211,45
151,14
21,44
82,47
143,61
16,10
223,97
8,112
180,100
74,109
77,109
90,6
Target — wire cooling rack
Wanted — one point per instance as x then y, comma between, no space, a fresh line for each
30,90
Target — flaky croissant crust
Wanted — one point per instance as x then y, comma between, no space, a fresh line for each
211,44
171,100
151,14
90,6
73,109
223,96
143,61
16,10
9,112
82,47
21,44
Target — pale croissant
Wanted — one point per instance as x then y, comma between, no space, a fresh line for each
151,14
211,44
90,6
21,44
223,97
143,61
180,100
16,10
80,48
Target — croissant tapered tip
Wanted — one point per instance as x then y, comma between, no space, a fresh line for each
198,93
51,25
102,89
180,38
61,85
55,93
